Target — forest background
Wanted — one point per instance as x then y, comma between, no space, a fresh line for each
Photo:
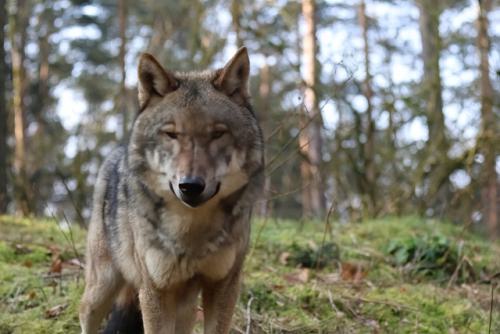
381,120
378,108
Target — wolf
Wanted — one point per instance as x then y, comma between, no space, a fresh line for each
171,208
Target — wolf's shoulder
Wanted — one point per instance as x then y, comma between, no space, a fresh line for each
115,156
113,160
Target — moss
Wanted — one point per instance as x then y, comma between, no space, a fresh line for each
26,291
392,302
17,253
26,302
384,300
424,309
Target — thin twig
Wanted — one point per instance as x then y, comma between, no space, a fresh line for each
249,315
292,154
81,220
283,194
259,233
56,220
454,276
45,299
69,238
327,228
291,140
72,240
274,133
332,303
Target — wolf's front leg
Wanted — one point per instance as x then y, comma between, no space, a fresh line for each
102,282
219,301
97,301
158,311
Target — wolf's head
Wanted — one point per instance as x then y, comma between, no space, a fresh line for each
196,138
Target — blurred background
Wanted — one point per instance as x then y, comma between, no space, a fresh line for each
369,108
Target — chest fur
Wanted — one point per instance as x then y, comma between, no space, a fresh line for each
186,246
168,270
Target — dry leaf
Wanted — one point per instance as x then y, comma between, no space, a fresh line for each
284,258
299,276
199,314
32,295
352,272
329,278
312,245
21,249
75,262
56,266
55,311
53,249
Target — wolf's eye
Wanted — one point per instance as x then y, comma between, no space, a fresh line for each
169,130
217,134
170,134
219,130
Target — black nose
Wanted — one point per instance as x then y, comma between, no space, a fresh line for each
191,186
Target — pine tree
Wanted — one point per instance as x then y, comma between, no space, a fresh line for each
310,140
488,142
3,112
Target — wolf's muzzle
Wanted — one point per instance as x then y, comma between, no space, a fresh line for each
191,191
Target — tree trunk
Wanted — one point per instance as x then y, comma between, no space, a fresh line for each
432,87
265,121
488,131
369,145
433,169
18,42
236,16
122,98
310,141
41,98
3,112
46,25
158,37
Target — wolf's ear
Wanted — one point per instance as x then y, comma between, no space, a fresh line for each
153,79
232,80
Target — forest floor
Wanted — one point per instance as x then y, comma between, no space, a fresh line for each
396,275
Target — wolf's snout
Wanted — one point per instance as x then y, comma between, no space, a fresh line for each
191,186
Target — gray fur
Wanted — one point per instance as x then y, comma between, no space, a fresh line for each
142,237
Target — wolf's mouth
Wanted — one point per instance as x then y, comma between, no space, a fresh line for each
195,201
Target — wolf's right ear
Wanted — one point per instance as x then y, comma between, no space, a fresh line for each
153,80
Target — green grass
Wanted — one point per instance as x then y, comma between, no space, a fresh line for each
371,278
27,288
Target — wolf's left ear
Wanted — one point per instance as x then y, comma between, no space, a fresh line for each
153,80
232,80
